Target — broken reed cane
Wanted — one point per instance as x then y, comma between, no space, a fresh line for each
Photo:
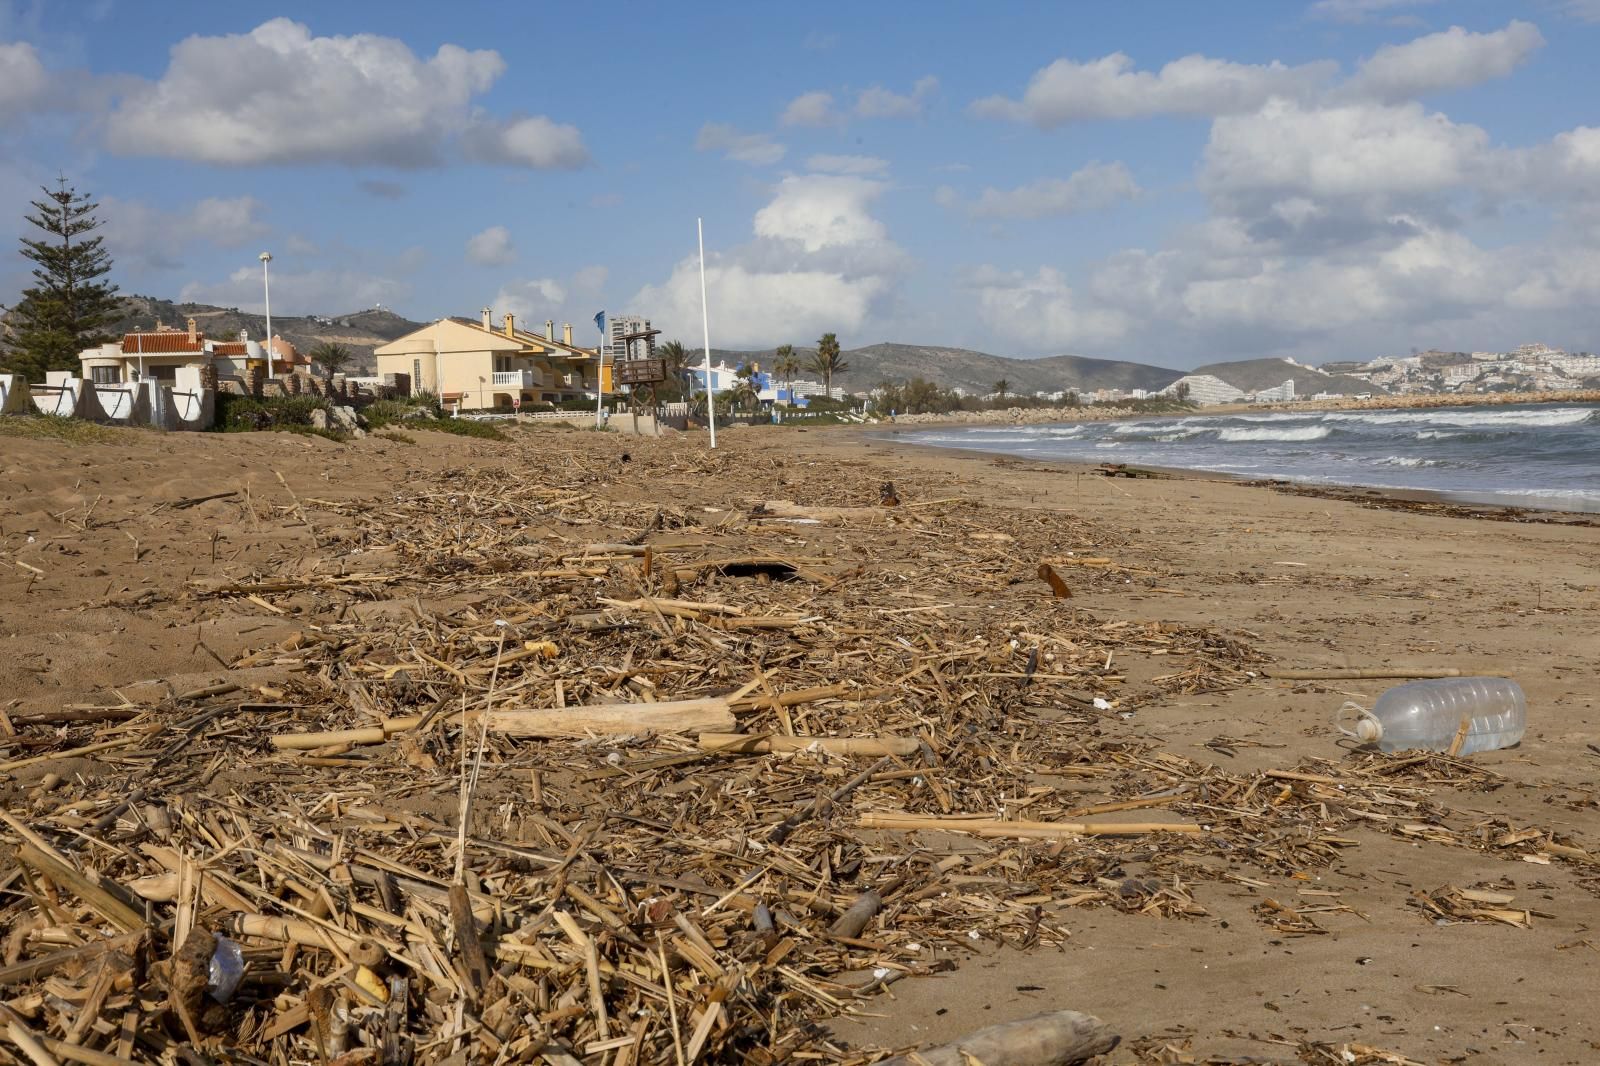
995,827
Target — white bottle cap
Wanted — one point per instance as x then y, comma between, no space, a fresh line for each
1369,730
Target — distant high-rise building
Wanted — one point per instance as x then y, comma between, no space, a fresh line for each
621,326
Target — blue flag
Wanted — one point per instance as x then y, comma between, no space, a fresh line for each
600,323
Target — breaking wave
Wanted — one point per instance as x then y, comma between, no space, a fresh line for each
1303,433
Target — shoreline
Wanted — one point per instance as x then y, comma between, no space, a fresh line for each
1490,504
1414,402
1420,501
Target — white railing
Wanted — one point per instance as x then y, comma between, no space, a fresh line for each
518,379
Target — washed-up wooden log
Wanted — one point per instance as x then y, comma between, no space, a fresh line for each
978,825
763,743
675,716
1058,1038
1333,673
855,918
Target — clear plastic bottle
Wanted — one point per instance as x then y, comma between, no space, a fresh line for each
1428,714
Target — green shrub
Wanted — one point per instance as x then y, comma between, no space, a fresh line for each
246,414
461,427
56,427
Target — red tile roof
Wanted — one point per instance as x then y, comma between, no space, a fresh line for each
164,342
230,348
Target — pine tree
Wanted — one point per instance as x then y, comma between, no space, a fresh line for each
66,310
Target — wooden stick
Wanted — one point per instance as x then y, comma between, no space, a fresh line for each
23,972
120,742
1057,1038
102,901
796,697
24,1039
978,825
475,968
370,735
675,716
763,743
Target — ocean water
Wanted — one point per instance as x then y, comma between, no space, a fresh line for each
1538,456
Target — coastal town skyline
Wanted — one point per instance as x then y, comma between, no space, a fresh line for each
1328,182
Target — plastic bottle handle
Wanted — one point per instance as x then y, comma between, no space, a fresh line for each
1369,728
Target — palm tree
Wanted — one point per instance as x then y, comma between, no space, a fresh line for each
334,358
828,361
1001,387
742,393
675,357
785,366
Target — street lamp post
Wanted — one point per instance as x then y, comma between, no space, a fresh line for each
266,291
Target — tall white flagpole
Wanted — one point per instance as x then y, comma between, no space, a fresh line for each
705,322
600,375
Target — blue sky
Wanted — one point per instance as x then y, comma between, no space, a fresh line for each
1169,182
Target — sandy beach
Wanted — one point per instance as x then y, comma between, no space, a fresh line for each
1315,918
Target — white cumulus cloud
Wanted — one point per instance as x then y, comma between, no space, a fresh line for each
1452,59
317,291
810,109
1360,10
532,141
878,102
1042,311
571,300
281,95
847,164
492,247
23,79
820,261
820,211
150,237
757,149
1092,187
1110,88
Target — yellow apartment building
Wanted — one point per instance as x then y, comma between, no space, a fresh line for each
483,368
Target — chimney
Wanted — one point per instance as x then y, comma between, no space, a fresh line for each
549,329
488,318
192,337
566,332
511,323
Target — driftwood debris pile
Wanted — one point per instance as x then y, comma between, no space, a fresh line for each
634,762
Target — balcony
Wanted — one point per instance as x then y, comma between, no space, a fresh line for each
516,379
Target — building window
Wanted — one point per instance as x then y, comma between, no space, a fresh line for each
105,375
416,376
163,373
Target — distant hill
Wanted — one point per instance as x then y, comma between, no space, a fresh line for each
360,331
976,372
1255,374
